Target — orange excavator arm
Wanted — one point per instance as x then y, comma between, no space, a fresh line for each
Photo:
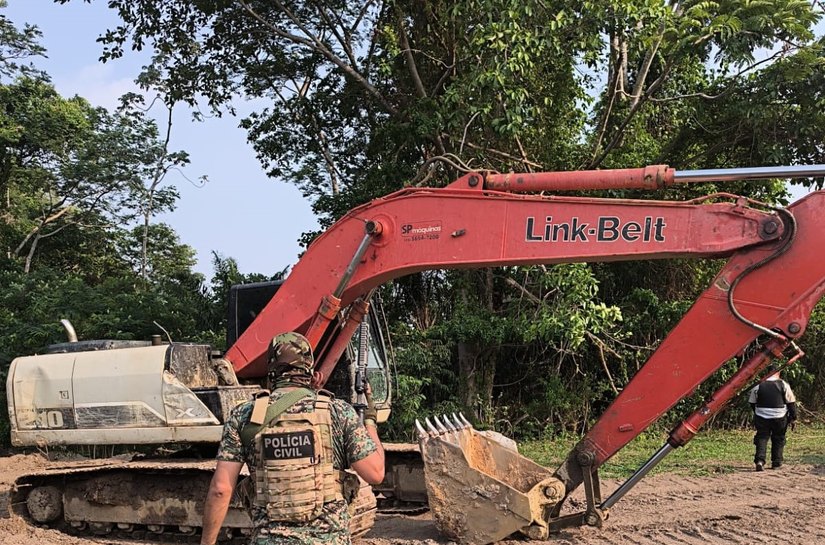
468,225
773,278
416,230
766,292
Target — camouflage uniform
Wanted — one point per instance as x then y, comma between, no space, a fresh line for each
350,444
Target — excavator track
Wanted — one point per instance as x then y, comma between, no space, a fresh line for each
157,500
167,536
138,499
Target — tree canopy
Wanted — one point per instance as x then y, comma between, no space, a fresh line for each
80,187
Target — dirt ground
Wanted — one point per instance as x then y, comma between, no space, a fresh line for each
785,506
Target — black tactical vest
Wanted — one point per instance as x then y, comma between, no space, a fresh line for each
771,394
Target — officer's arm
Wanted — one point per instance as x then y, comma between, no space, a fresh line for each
752,398
791,412
217,499
371,468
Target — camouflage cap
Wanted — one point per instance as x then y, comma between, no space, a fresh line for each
290,350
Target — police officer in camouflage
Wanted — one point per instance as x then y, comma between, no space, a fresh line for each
291,441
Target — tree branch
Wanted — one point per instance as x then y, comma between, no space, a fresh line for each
731,80
644,70
425,171
361,14
316,45
464,136
408,56
45,221
331,167
630,114
523,154
343,41
601,346
613,83
504,155
512,282
411,66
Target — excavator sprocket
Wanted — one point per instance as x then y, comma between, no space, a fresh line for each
480,488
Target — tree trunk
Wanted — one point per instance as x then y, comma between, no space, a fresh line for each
477,362
476,368
5,187
144,251
30,256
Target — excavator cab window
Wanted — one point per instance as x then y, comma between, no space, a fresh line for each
246,301
378,363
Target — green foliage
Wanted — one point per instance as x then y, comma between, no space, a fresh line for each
811,392
772,117
167,259
226,274
17,45
425,381
569,312
116,308
74,181
358,104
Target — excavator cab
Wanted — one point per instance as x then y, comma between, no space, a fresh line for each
246,301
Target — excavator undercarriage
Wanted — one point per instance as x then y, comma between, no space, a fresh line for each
133,497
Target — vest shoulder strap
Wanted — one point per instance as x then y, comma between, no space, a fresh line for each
275,410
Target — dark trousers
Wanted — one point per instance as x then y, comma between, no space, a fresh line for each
773,429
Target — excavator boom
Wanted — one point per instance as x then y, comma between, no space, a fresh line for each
421,229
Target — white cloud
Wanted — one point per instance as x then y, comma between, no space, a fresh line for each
97,83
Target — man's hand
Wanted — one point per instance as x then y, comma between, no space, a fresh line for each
371,468
370,413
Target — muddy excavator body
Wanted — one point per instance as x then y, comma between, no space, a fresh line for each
480,489
163,403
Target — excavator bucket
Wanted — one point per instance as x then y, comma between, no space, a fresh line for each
479,488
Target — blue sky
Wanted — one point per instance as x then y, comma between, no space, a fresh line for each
240,212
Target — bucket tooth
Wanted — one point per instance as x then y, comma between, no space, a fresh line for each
466,422
433,429
422,433
449,423
441,425
458,423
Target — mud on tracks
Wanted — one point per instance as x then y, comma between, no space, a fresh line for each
781,507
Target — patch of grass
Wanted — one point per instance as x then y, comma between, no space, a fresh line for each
709,453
